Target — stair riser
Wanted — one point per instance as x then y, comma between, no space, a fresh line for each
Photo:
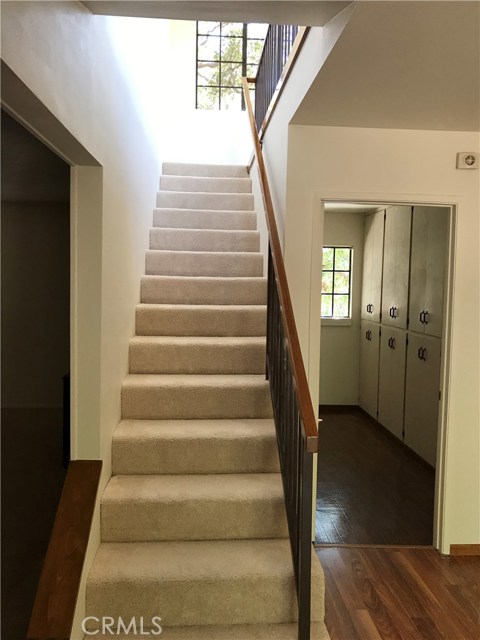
208,170
253,601
212,201
197,291
201,456
204,240
231,632
163,403
208,359
189,263
205,185
196,219
238,519
200,321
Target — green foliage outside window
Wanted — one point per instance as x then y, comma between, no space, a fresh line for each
226,51
336,282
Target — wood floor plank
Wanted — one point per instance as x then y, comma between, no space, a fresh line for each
371,489
407,594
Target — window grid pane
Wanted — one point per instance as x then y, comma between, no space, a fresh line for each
336,282
226,51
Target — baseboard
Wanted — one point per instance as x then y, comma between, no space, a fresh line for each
397,441
465,549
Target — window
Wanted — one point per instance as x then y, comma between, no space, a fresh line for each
226,51
336,282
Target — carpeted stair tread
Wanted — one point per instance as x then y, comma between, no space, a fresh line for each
209,170
171,217
232,632
203,290
205,184
214,201
208,354
198,582
204,263
195,446
204,240
164,396
201,320
183,507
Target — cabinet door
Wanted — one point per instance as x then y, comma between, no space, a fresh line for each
369,353
422,395
427,270
391,384
396,266
372,267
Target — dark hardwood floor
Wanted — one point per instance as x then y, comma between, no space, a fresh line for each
400,594
371,489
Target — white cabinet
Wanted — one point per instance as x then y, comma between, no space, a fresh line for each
369,354
406,251
422,394
396,266
372,266
391,382
427,270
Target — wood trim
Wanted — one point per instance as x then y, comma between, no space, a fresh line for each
355,545
57,592
287,69
465,549
298,369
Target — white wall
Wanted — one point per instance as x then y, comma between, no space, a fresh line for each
188,134
315,50
399,166
340,343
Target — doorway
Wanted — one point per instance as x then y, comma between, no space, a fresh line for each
378,483
35,348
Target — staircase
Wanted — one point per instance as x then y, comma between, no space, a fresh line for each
193,521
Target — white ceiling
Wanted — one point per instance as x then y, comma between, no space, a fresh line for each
298,12
402,65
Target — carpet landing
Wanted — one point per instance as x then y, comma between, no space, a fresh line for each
193,520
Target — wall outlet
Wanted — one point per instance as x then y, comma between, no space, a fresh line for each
468,160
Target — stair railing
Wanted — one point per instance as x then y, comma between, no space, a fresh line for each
295,423
282,46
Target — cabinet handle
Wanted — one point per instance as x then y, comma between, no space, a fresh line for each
370,308
425,317
368,335
391,343
422,317
422,353
394,312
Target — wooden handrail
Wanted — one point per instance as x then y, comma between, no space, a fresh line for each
56,597
298,369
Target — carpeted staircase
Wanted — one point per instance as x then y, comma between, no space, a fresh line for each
193,519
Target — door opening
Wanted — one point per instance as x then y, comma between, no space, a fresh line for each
381,374
35,357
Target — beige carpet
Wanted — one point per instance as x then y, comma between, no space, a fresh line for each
193,520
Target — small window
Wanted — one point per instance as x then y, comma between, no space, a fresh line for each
336,282
226,51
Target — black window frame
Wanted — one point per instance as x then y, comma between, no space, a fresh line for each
244,61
